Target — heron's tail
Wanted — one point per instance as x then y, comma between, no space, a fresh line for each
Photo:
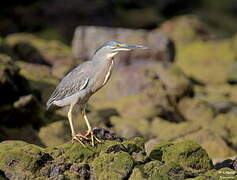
49,103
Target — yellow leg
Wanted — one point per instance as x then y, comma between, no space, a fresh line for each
90,131
70,119
74,136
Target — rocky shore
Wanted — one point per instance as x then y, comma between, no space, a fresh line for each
180,93
115,158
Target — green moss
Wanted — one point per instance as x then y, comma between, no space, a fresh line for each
136,174
165,130
157,151
113,166
202,60
223,173
157,170
196,110
185,29
47,48
75,153
187,154
151,169
22,160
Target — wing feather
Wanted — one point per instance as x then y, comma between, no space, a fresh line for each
73,82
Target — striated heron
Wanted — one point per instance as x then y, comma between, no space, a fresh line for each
83,81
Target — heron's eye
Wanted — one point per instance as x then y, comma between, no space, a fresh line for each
118,45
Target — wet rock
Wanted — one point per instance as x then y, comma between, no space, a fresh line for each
160,46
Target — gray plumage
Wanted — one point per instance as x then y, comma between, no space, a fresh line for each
74,82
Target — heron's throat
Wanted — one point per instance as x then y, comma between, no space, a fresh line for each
111,55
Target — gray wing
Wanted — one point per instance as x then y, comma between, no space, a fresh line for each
74,81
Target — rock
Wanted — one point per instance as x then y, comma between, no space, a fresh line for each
34,50
235,164
149,145
111,159
232,75
187,154
113,166
26,133
201,60
211,141
160,46
55,133
12,84
164,129
196,111
40,78
27,110
138,86
185,29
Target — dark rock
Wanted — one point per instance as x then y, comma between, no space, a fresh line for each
226,163
235,164
12,84
104,134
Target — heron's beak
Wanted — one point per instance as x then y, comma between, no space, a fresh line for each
127,47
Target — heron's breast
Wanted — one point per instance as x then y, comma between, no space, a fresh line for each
103,76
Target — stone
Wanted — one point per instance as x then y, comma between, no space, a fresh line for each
185,29
160,46
113,166
187,154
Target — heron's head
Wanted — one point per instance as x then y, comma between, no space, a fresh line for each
111,48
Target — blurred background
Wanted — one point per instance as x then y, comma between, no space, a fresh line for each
183,87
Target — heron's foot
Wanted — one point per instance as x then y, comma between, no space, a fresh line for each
93,138
79,138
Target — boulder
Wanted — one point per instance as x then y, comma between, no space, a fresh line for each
160,46
29,48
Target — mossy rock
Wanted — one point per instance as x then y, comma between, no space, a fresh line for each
47,48
201,60
187,154
165,130
39,77
12,84
223,173
210,141
19,159
31,49
185,29
196,110
113,166
156,152
55,133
